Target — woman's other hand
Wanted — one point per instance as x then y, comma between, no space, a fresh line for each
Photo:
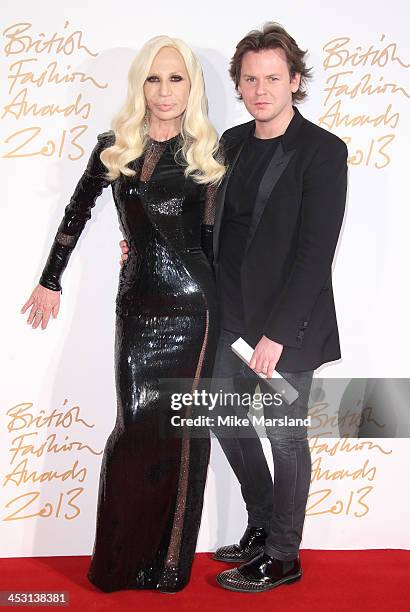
43,302
124,251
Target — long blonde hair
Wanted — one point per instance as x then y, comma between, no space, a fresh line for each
199,137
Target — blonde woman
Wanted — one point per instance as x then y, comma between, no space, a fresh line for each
161,161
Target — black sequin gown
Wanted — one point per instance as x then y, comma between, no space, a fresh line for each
151,484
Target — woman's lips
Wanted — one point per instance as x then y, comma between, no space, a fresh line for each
164,107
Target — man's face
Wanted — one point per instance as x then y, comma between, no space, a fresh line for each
265,84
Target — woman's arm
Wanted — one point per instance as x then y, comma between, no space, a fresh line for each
77,213
208,218
208,211
45,298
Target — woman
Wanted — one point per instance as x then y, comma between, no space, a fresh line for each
161,161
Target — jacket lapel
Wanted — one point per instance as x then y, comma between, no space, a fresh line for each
280,159
272,174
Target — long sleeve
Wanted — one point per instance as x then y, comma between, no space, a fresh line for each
208,215
323,206
76,215
207,225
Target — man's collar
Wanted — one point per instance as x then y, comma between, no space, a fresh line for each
291,131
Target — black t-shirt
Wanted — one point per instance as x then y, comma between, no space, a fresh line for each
240,199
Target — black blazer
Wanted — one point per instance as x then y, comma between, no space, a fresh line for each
287,267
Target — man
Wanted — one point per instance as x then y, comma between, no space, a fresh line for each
279,213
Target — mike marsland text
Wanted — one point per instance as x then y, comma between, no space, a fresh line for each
236,421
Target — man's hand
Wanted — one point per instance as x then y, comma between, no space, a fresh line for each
265,356
124,251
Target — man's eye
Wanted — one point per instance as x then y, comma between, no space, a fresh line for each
250,79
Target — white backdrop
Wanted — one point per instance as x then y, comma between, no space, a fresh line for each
65,76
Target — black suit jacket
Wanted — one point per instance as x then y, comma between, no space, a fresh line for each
287,266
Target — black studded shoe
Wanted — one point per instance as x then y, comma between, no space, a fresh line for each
250,545
260,574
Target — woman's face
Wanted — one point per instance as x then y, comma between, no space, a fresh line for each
167,86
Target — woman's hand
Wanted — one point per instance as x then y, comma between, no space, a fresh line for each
124,251
43,302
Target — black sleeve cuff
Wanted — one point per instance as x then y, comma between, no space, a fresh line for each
56,263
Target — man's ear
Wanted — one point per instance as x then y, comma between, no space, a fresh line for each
295,82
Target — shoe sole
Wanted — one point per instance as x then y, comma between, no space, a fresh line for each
236,559
268,587
231,560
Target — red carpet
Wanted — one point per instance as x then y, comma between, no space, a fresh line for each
333,581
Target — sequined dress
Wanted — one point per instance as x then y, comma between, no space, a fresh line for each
151,483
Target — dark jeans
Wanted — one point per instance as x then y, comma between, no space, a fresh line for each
280,506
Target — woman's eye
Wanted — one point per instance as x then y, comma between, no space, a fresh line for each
155,79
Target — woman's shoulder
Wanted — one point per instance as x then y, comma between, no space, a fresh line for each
106,139
95,167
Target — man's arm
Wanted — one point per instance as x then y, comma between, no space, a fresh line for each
323,206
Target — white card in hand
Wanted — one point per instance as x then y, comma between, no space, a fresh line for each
244,351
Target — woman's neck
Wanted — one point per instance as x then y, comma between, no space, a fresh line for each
164,130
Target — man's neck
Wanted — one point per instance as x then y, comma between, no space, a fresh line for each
276,127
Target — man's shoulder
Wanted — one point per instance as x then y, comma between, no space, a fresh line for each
237,132
310,133
316,136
